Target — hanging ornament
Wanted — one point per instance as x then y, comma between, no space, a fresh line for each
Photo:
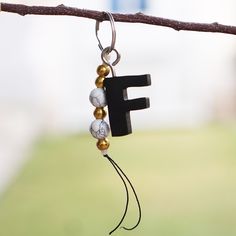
112,92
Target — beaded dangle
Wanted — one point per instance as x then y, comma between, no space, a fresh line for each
99,128
112,92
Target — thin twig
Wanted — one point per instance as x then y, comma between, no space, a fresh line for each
130,18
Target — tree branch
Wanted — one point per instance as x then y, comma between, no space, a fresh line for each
130,18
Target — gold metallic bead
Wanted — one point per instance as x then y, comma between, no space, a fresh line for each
103,144
103,70
99,113
99,82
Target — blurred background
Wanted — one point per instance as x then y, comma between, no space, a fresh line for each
181,155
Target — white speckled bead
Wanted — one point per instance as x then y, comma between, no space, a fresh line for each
99,129
98,97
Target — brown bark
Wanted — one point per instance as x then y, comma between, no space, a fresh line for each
130,18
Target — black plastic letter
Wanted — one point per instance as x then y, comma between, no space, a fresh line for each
119,106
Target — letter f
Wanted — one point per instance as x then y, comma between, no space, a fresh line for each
119,106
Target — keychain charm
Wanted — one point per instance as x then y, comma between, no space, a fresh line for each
118,104
112,92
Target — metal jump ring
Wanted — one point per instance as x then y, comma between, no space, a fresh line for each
105,59
113,31
104,54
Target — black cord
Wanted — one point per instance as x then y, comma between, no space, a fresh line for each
118,170
127,196
136,197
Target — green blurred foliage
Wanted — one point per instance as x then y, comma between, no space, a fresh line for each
186,181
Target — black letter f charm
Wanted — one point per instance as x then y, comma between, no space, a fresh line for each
119,106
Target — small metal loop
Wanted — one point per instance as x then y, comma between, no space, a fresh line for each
106,57
105,53
113,31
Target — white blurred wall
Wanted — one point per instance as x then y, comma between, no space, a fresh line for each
48,66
